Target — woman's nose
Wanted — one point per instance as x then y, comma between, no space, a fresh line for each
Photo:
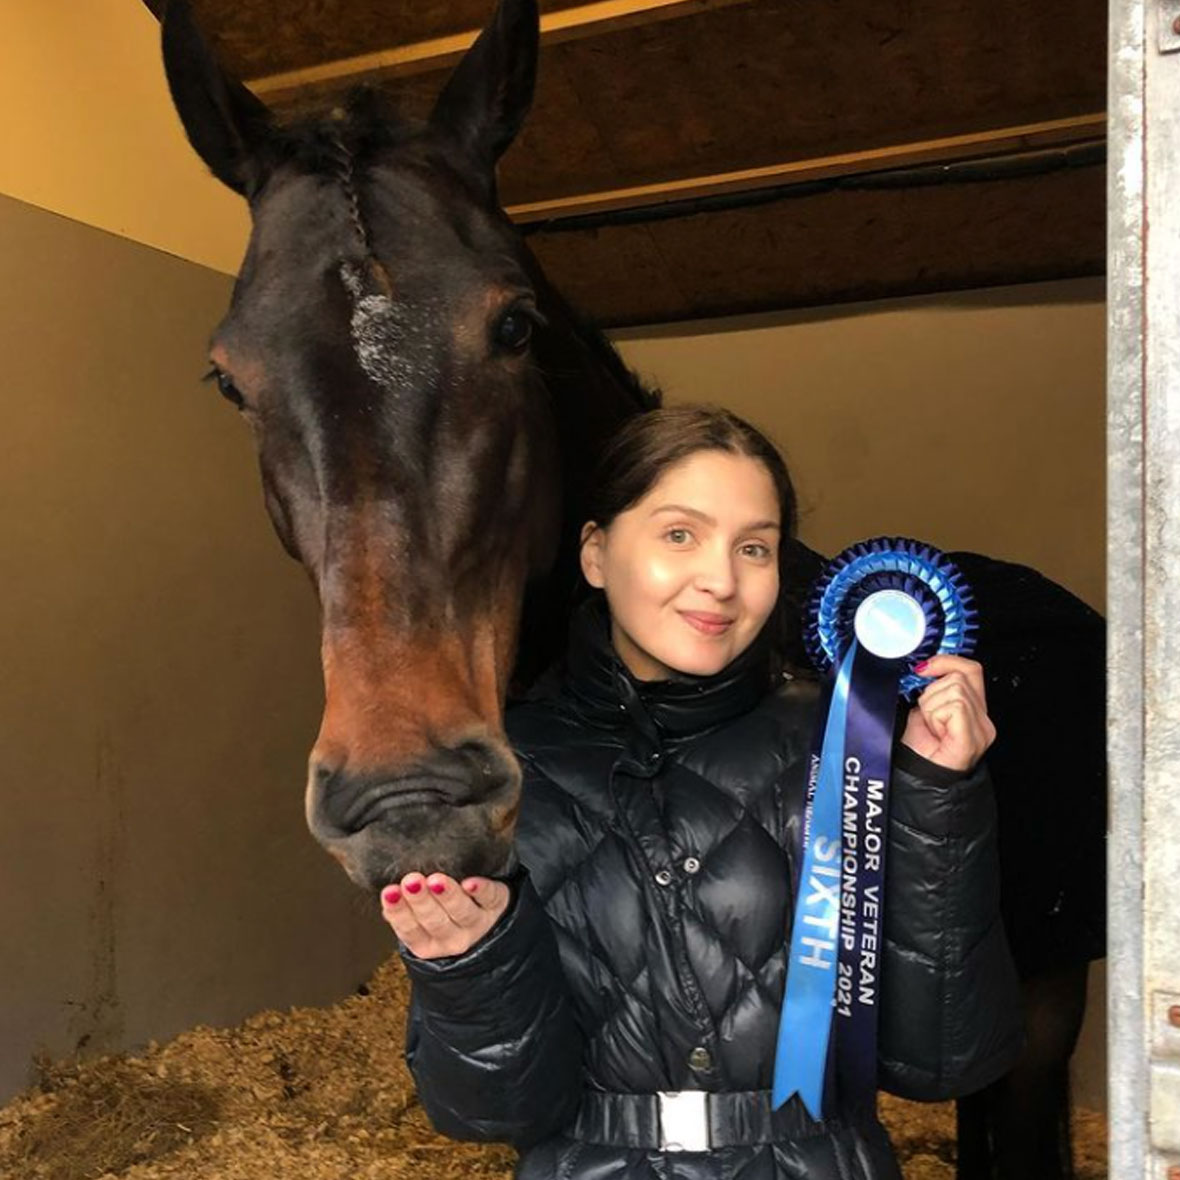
716,575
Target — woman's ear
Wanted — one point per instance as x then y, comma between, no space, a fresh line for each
593,539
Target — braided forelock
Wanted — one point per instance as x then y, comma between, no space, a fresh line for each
344,172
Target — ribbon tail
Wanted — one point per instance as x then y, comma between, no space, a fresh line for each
805,1024
868,746
792,1079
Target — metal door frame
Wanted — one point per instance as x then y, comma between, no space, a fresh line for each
1143,573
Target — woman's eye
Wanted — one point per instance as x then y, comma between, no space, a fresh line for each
513,331
678,536
757,550
225,385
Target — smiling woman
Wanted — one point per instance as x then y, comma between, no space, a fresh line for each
687,589
618,995
685,537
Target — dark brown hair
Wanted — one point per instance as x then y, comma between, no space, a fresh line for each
649,444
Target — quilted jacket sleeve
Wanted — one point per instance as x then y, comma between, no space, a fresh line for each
950,1002
492,1041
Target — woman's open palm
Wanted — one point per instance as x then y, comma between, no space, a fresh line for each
435,915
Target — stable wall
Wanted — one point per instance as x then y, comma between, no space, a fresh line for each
89,130
973,420
160,686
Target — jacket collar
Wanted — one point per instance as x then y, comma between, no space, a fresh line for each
606,693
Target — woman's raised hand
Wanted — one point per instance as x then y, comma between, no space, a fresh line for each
436,916
949,724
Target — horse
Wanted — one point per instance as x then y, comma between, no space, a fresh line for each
411,381
427,410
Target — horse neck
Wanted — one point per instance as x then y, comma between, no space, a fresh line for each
591,393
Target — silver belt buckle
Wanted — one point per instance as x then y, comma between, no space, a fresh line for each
684,1120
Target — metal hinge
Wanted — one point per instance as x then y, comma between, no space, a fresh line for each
1169,25
1164,1084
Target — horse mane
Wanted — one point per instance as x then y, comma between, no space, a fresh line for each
645,397
362,122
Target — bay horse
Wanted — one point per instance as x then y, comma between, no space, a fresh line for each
427,410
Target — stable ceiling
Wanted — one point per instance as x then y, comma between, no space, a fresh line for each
687,159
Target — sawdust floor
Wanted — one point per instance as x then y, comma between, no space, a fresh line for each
316,1094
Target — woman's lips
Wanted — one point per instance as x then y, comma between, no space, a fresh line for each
707,624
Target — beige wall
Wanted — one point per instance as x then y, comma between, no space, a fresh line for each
89,130
160,685
973,421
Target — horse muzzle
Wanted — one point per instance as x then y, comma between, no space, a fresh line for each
451,812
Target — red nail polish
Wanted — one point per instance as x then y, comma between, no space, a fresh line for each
413,886
437,887
920,668
392,895
471,886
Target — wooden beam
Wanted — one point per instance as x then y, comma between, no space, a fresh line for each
568,24
833,247
1000,141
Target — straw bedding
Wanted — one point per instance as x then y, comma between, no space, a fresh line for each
317,1094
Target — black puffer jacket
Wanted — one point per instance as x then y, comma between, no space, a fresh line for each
645,946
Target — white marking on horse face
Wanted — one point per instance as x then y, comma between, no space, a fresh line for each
381,334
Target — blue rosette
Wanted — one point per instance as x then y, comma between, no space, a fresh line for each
902,565
878,610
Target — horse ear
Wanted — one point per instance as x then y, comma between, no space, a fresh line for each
226,124
488,95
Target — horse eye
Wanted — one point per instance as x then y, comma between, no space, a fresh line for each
513,330
225,384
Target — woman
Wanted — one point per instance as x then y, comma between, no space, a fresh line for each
640,950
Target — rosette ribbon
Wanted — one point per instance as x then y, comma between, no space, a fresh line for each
878,610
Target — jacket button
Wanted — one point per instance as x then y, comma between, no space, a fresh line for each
663,877
692,865
700,1058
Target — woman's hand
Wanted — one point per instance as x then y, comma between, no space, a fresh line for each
949,724
437,916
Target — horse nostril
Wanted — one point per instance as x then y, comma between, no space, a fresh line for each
488,768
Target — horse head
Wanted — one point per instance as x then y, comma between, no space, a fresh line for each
379,345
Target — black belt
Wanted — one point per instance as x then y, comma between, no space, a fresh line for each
691,1120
